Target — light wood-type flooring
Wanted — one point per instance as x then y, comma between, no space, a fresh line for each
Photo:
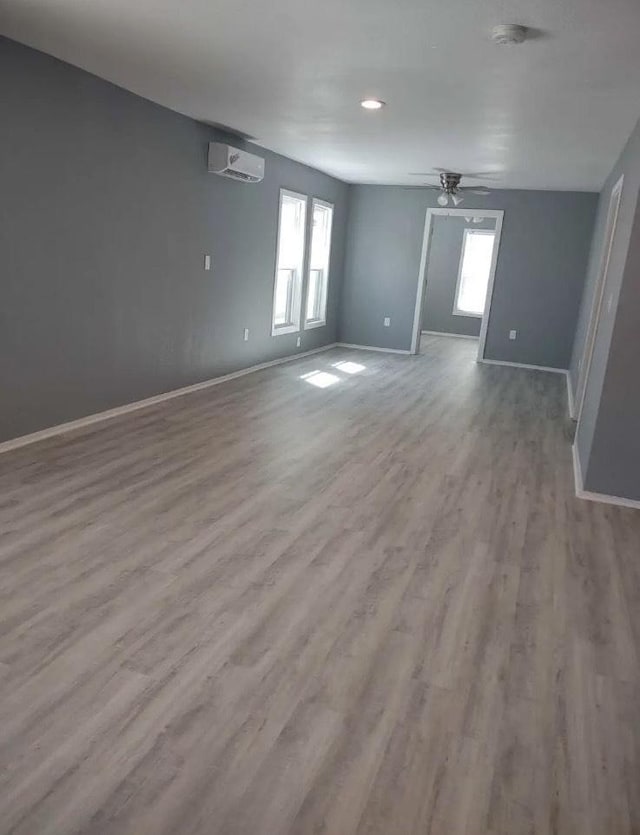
271,608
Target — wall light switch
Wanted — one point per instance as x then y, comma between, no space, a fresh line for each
387,322
513,334
298,342
246,334
207,262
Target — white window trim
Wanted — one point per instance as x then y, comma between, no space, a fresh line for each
315,323
318,323
456,310
295,326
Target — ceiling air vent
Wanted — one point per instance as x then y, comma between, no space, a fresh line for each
508,34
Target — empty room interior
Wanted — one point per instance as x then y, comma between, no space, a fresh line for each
319,417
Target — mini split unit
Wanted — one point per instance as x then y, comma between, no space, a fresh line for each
234,163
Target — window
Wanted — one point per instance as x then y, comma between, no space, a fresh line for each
473,275
287,296
317,285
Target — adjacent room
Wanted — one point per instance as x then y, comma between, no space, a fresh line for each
458,265
319,409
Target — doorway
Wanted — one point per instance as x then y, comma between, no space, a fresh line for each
598,297
457,270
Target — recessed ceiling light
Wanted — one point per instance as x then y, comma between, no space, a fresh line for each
372,104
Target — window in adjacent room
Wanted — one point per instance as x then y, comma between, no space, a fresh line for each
318,282
474,271
287,296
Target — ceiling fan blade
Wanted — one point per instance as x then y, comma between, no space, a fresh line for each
435,172
482,191
481,175
469,175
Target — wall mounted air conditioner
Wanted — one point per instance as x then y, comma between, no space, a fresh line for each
234,163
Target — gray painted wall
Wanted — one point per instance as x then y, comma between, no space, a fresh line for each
106,211
539,278
607,440
442,276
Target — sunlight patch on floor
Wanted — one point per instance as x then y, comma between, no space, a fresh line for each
349,367
321,379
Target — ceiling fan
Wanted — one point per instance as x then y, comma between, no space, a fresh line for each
450,189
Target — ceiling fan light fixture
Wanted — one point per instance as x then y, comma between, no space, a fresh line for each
450,190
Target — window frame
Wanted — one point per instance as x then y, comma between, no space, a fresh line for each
469,231
296,305
308,324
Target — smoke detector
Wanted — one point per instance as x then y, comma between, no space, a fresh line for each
507,34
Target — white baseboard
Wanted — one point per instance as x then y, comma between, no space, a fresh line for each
581,493
371,348
570,398
524,365
61,428
454,335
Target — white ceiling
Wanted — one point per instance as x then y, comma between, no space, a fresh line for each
551,113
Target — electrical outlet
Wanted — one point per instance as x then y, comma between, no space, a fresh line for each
246,334
207,262
298,342
387,322
513,334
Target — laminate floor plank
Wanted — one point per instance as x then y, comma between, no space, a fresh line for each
365,609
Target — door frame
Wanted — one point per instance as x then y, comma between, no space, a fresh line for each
497,215
613,211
